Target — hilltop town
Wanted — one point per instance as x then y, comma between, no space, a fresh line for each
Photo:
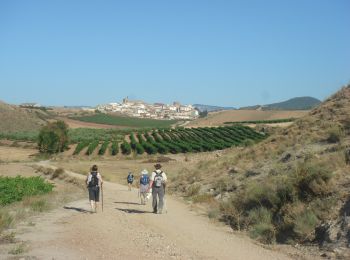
141,109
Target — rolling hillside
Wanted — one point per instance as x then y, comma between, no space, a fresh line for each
298,103
13,118
291,188
201,108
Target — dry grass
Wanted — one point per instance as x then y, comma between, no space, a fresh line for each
13,118
218,118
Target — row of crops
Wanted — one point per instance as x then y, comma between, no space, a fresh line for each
272,121
75,135
179,140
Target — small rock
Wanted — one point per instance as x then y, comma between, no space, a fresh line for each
323,255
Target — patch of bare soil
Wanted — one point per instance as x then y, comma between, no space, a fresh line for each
13,154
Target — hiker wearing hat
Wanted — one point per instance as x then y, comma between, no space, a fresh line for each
144,186
94,184
158,181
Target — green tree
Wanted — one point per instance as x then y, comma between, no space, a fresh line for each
53,138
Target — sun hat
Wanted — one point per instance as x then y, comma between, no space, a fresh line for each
144,172
158,166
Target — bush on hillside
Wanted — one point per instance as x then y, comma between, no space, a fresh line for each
286,206
53,137
312,180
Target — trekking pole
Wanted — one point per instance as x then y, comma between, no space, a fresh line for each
102,196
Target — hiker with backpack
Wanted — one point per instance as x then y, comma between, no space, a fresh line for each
94,185
130,180
158,182
144,186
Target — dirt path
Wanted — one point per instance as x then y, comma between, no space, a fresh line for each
128,230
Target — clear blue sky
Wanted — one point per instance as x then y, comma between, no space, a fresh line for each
229,53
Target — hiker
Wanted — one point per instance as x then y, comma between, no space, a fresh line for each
94,183
130,180
144,185
158,182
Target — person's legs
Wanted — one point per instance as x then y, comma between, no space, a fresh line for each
129,186
97,197
92,199
92,204
154,199
161,200
142,196
145,197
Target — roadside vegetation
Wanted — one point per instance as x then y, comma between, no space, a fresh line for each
15,189
21,197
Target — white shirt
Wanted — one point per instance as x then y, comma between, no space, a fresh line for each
90,176
158,171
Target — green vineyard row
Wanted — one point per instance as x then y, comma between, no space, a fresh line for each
179,140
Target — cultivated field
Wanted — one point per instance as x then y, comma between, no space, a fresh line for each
116,120
219,118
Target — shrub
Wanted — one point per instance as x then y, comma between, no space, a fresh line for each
263,232
53,137
114,148
126,148
313,180
92,146
58,173
103,148
305,224
80,147
334,134
213,213
261,194
193,190
5,220
203,198
139,149
260,215
40,205
18,249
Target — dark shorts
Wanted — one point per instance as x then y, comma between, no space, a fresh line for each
130,182
94,193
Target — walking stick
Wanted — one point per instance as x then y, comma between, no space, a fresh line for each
102,196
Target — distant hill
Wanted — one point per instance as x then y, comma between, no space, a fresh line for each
298,103
201,108
14,118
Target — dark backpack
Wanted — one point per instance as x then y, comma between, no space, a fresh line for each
94,180
158,180
130,178
144,179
